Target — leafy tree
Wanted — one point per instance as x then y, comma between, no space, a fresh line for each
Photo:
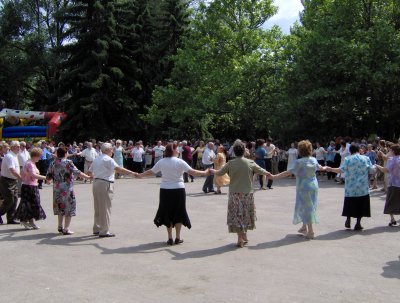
226,76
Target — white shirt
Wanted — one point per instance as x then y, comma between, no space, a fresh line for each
10,160
208,156
103,168
89,154
172,169
319,153
158,151
23,157
137,154
270,151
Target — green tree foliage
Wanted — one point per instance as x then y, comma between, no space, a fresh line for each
226,76
344,69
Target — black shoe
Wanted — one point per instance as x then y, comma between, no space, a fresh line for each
40,187
170,242
178,241
205,191
60,229
211,191
358,227
347,223
12,222
192,180
95,233
269,187
107,236
1,221
393,223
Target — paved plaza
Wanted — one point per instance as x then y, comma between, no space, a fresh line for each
137,266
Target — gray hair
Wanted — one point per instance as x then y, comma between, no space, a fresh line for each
14,143
106,146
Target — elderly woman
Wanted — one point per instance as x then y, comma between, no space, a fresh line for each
29,208
219,162
172,207
241,208
62,172
392,206
356,190
304,169
118,155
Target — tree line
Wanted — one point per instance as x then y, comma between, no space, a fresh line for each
199,69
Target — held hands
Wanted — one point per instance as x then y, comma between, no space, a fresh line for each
269,176
210,171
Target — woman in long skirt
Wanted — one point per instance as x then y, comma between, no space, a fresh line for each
29,208
392,205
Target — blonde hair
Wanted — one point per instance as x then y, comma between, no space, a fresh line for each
36,152
305,148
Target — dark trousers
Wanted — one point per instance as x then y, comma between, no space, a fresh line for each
186,175
9,191
42,166
137,167
330,174
268,168
209,183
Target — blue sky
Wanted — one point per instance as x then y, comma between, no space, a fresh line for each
287,14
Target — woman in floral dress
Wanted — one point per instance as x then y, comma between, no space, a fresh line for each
241,208
304,169
62,173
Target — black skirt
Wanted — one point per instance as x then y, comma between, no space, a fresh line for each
172,208
29,207
392,205
357,207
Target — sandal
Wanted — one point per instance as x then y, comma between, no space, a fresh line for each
67,232
240,244
178,241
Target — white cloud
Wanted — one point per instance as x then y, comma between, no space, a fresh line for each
288,13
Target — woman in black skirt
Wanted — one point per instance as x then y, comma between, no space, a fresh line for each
172,207
392,205
29,209
356,190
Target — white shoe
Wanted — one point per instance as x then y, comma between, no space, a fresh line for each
26,225
34,226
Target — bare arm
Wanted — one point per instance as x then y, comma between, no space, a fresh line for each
333,170
125,171
147,173
280,176
382,169
199,173
15,173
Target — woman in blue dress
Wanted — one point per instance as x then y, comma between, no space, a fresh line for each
304,169
119,155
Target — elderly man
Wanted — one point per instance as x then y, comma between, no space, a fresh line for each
103,169
10,174
159,150
208,162
89,154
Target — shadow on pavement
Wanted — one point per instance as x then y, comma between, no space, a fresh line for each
288,240
204,253
345,233
392,270
139,249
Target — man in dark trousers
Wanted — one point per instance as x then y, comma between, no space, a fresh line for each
187,157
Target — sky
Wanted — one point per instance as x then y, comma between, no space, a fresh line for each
288,13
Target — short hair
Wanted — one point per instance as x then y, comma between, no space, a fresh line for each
118,141
354,148
106,146
61,151
239,148
36,152
14,143
169,150
260,142
305,148
395,149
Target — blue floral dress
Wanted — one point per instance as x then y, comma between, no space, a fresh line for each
306,190
62,172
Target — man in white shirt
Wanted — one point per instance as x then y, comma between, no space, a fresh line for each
23,157
103,171
208,162
89,154
158,154
270,148
10,174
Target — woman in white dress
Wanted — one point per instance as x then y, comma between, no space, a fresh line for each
118,155
292,156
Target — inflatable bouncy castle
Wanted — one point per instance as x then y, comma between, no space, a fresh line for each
21,118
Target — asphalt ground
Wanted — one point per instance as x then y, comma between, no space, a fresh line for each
277,265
